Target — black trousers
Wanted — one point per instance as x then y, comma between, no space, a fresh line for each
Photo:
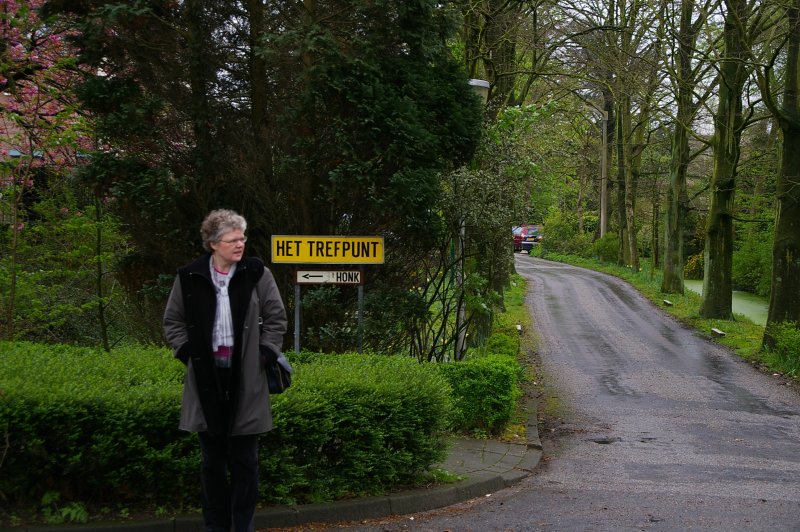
229,502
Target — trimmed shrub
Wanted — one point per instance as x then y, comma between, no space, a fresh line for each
485,392
92,425
359,424
102,428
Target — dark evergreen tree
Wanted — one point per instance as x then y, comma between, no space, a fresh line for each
316,117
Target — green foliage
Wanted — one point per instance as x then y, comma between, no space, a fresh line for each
390,313
485,392
349,425
73,512
503,344
328,327
75,411
537,251
127,112
694,267
509,156
606,248
784,356
374,112
752,263
65,261
357,424
562,235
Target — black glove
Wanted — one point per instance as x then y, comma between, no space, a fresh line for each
183,354
268,355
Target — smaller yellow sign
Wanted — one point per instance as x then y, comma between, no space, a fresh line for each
303,249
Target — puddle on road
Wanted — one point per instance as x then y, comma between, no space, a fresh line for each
604,441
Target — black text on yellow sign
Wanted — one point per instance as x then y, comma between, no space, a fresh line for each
302,249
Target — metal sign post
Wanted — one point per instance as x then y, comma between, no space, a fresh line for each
297,318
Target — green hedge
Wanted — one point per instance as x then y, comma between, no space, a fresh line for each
358,424
485,392
91,425
102,428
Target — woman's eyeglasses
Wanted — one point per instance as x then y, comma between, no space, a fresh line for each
235,240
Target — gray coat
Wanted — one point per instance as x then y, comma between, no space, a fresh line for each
259,320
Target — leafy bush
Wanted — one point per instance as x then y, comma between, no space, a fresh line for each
694,267
562,235
57,258
536,251
785,354
504,338
102,427
74,412
607,248
485,392
752,264
503,344
357,424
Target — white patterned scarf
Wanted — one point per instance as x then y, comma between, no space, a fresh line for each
223,321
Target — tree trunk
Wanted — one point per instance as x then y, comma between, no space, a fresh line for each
99,274
626,194
675,215
608,146
622,219
636,146
11,301
784,302
656,258
718,254
675,220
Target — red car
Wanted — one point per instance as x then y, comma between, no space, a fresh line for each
526,236
516,231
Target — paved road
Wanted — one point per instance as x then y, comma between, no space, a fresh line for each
659,428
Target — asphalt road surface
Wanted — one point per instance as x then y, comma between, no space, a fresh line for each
657,428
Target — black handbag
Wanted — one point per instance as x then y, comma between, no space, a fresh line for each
279,375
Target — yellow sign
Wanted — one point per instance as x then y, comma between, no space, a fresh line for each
302,249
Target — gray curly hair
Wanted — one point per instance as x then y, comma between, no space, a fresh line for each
219,222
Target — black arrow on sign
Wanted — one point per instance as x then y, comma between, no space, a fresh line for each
309,276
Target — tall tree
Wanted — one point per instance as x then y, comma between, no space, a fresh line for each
618,56
41,132
784,303
315,117
685,76
512,45
634,48
734,70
